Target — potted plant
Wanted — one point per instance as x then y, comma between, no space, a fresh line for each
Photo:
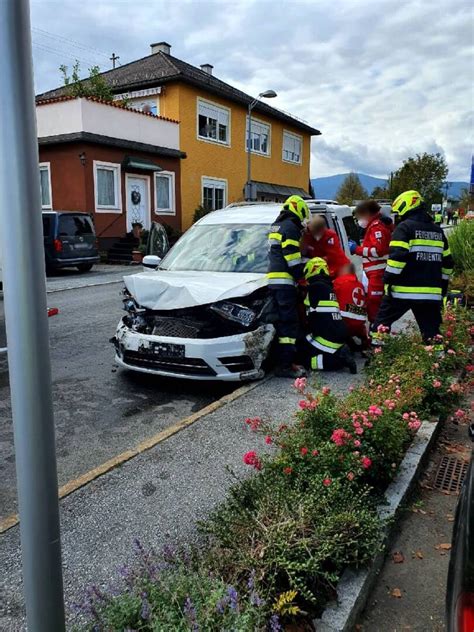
137,228
140,252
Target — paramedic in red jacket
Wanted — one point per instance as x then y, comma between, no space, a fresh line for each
351,297
321,241
374,252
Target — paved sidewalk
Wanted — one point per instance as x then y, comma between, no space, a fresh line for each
156,497
411,588
101,273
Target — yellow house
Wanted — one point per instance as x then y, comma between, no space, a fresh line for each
213,131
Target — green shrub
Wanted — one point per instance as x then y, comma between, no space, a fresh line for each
461,244
200,212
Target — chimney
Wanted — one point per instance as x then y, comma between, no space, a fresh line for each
207,68
160,47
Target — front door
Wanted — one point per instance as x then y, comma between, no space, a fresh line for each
138,201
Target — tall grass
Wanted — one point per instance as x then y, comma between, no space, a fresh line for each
461,243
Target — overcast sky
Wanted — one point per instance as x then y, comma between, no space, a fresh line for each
382,79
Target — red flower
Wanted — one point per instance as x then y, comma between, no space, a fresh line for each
304,451
315,452
268,439
251,458
366,462
327,482
287,470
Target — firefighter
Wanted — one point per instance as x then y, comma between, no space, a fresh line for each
418,268
321,241
286,269
374,252
351,297
324,348
438,218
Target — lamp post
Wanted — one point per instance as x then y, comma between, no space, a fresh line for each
249,192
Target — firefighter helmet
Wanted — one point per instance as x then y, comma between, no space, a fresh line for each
315,266
406,202
298,206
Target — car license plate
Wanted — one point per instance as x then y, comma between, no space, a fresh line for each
167,350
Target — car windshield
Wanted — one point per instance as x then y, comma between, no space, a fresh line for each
221,248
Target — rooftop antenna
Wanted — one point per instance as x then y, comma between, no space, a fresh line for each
113,59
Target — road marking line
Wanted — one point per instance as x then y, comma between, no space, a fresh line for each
81,481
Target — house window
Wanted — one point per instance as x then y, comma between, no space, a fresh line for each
149,106
164,193
259,137
45,184
107,187
292,145
214,193
213,122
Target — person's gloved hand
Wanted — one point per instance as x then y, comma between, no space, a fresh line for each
352,246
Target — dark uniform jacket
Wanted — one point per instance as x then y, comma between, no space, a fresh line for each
328,331
285,262
420,262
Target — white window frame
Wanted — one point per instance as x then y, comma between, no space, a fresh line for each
46,166
116,168
218,106
172,189
214,183
293,136
259,123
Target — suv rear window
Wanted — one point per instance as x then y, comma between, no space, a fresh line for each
75,225
47,219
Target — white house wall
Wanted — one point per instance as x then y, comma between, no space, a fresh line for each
82,115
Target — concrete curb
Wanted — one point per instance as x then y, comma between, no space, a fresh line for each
68,488
80,287
355,586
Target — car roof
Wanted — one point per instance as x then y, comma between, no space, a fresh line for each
68,212
263,212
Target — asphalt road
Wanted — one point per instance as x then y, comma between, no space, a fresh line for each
100,410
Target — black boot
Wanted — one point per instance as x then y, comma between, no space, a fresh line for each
293,371
348,359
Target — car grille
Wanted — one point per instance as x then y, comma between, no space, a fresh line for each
186,366
238,364
176,328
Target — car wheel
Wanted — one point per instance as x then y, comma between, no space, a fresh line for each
85,267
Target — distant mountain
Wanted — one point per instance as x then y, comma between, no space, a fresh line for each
328,186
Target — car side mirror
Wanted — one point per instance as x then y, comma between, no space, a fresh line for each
151,261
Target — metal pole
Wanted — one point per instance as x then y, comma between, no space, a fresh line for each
248,196
27,325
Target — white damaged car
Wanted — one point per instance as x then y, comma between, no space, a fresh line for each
203,311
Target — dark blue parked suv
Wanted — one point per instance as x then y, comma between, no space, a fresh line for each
69,240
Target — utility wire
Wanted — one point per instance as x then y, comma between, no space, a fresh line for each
70,42
62,54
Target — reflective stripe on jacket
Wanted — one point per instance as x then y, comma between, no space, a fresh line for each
374,248
420,262
285,264
327,329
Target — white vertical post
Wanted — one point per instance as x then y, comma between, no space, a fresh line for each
27,325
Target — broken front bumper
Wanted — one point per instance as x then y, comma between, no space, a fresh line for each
229,358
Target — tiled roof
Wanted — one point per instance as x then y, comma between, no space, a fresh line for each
160,68
114,104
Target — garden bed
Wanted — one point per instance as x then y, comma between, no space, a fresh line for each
274,553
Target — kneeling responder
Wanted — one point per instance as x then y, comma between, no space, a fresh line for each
418,268
351,297
324,348
374,252
284,271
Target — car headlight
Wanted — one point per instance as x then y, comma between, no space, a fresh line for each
131,306
237,313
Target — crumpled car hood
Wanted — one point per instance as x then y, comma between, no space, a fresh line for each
166,290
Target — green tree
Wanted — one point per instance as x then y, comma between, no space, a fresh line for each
94,86
350,190
424,173
381,193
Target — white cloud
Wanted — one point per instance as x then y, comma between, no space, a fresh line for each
381,79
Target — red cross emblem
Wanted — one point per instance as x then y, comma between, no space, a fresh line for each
358,297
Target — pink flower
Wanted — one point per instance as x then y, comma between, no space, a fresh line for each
304,451
378,350
268,440
351,388
340,436
253,422
436,383
366,462
451,352
357,443
300,384
406,416
383,329
398,392
359,431
251,458
470,368
327,482
436,365
303,404
375,410
315,452
460,413
326,390
350,476
414,425
287,470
